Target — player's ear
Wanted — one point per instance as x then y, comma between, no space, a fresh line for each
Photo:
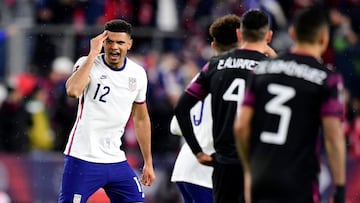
324,38
291,32
238,35
269,35
130,43
213,45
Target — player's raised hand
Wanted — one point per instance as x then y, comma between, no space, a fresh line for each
148,176
96,43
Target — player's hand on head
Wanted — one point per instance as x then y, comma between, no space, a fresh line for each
205,159
96,43
148,175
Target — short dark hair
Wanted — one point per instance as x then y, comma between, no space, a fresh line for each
223,31
118,25
254,25
308,22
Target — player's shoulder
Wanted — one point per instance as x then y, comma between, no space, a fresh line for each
133,64
305,60
331,68
299,66
135,67
80,60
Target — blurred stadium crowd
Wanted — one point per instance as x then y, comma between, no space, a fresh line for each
41,39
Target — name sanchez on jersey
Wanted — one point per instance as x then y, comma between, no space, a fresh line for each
237,63
293,69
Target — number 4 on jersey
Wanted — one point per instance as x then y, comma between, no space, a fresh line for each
232,95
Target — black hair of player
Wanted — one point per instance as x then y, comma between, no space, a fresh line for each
118,25
254,25
308,23
223,31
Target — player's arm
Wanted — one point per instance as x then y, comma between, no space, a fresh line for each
242,138
242,134
182,113
143,134
76,83
174,124
336,153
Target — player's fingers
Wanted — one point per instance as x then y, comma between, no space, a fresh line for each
145,180
102,36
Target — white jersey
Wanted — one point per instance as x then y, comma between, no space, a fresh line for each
104,109
187,168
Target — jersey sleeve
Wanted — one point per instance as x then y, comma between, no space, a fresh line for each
199,87
141,96
195,91
333,104
78,63
249,97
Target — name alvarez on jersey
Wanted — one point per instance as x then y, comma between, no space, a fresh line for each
241,63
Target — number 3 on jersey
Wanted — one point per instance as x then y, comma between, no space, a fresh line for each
276,106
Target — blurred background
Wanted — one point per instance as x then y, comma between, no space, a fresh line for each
41,39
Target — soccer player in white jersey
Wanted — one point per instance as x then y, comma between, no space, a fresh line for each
110,88
192,178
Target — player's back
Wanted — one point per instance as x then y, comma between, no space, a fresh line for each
227,76
291,93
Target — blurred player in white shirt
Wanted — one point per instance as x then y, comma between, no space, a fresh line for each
110,88
192,178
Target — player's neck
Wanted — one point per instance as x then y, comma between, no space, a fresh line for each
254,46
307,49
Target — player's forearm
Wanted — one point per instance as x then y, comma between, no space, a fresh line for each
242,144
80,78
337,157
336,149
143,134
242,128
182,113
336,153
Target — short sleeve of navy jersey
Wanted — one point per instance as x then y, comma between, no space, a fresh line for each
199,88
249,98
333,104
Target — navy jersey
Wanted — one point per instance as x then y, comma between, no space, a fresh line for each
225,78
290,95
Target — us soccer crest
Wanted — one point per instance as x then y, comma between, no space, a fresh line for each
132,84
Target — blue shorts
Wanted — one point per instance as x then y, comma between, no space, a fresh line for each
192,193
81,179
